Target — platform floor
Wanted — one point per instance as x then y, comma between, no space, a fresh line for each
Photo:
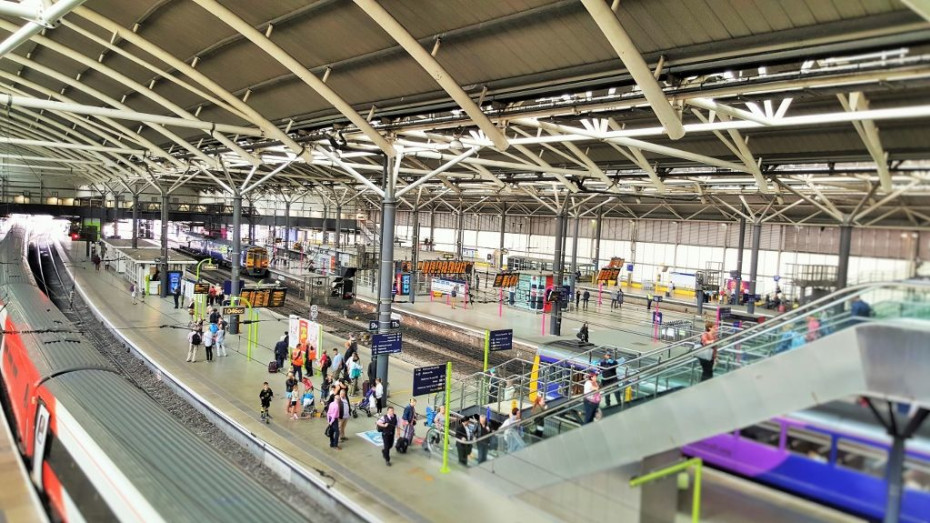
412,489
19,502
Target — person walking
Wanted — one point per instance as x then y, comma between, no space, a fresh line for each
132,292
266,395
592,397
332,418
708,356
194,339
583,332
220,341
177,296
280,352
95,259
584,299
609,377
379,395
387,426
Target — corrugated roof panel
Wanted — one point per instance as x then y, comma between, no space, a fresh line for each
184,29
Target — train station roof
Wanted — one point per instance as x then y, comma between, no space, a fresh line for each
813,111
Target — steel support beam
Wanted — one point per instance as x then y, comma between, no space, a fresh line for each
574,266
753,266
338,226
236,257
842,265
135,220
45,19
432,67
625,48
597,240
500,248
555,319
741,244
414,254
164,243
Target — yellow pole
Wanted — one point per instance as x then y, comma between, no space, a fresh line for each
248,334
445,437
487,348
534,379
696,463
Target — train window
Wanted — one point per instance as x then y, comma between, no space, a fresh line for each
861,457
766,432
917,474
813,445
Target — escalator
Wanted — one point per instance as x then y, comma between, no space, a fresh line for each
787,364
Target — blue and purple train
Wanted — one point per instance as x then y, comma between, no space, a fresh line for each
841,467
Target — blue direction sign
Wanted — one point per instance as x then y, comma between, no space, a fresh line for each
657,318
385,343
500,340
429,380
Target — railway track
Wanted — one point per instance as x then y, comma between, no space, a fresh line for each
341,318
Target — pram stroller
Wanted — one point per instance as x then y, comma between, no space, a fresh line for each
366,404
307,401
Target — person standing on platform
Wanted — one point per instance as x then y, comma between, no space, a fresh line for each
220,297
177,296
211,296
584,299
132,292
194,340
338,364
351,347
344,413
214,316
463,434
220,342
280,352
372,372
333,416
325,363
452,295
297,362
379,395
648,301
290,392
592,397
483,444
577,298
309,356
355,372
583,333
209,341
387,426
266,395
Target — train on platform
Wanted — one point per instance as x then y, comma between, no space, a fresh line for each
98,447
253,260
842,465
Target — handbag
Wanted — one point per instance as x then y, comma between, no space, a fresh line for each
329,431
596,397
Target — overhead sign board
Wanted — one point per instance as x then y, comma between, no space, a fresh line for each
608,274
201,288
444,267
429,380
506,279
615,263
373,325
265,297
233,311
388,343
500,340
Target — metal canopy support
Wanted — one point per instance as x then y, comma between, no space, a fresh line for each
386,279
32,28
842,266
338,226
597,240
921,7
287,228
235,257
753,266
414,254
135,220
298,69
574,257
164,243
868,132
500,248
429,64
460,234
555,321
739,257
625,48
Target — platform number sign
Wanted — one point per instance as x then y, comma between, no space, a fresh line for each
389,343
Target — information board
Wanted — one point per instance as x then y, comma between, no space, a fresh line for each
201,288
265,297
506,279
429,380
656,318
233,311
373,325
615,263
608,274
500,340
444,267
389,343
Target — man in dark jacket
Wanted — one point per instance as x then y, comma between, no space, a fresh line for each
280,352
214,316
387,425
483,429
608,367
177,295
462,433
372,372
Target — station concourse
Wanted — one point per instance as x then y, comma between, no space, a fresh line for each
696,232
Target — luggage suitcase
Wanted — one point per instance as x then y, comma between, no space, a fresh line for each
402,445
273,367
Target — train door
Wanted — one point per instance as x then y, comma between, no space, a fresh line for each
41,437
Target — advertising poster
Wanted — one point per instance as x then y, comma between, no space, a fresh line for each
302,330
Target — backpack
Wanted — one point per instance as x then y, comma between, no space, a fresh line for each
196,339
324,361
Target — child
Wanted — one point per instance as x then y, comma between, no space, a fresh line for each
307,401
290,386
132,292
265,395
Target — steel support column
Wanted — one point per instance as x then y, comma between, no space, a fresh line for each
500,249
842,266
597,240
326,225
414,254
574,258
235,257
432,228
135,220
163,266
338,227
389,205
460,235
753,266
739,256
287,229
555,325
